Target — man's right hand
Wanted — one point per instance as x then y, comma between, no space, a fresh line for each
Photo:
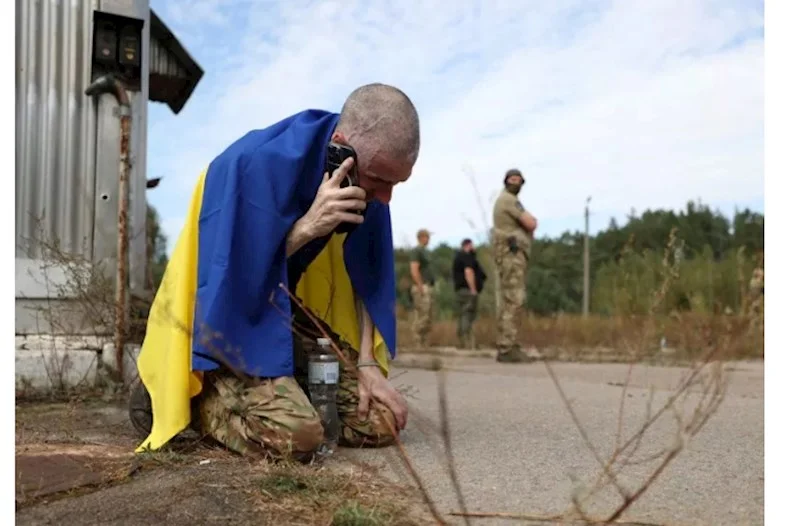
333,204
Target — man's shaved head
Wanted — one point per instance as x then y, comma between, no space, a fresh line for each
382,125
386,116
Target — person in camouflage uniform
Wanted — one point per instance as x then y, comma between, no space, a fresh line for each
756,304
757,291
422,289
512,236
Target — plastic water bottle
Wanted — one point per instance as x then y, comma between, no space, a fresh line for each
323,382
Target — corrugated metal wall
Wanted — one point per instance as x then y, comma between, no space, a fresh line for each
67,153
55,127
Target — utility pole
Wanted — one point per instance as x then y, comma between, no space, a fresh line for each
586,259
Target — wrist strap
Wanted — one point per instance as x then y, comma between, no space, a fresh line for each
368,364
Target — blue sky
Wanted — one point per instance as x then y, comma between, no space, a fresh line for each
640,104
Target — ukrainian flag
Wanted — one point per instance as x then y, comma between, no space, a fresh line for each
223,279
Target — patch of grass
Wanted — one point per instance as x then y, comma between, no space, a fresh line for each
163,457
285,484
354,514
334,495
574,335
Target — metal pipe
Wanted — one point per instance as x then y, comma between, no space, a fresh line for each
110,84
586,259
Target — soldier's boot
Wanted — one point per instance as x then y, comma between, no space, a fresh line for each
140,409
513,355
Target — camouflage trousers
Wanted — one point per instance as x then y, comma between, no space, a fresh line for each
274,416
467,311
423,314
756,320
511,270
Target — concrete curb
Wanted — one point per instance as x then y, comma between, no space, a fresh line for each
448,352
435,357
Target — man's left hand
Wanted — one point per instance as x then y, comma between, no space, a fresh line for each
372,383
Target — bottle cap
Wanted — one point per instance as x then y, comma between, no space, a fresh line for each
323,342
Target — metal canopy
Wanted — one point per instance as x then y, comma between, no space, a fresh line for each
173,72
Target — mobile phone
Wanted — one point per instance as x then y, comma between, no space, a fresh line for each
337,153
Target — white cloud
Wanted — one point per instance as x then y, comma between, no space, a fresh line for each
640,104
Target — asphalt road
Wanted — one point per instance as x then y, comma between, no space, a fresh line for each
517,449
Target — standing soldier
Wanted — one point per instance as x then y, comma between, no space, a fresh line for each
512,237
468,280
756,306
421,289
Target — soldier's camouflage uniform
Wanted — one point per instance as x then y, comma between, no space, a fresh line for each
422,299
756,306
275,417
511,266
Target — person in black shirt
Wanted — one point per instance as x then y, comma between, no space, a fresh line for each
468,279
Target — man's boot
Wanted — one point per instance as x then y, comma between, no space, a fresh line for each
140,409
513,355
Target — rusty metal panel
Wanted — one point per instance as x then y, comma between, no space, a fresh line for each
55,127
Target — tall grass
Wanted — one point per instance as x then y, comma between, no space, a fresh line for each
660,300
572,335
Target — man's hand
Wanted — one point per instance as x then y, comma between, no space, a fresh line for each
371,383
332,204
528,222
416,276
469,276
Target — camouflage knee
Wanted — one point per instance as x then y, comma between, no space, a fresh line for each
273,417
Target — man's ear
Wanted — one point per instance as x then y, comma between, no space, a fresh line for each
338,137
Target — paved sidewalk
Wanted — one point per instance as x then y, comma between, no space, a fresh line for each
517,449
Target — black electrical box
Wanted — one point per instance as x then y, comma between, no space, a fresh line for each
130,45
117,48
105,42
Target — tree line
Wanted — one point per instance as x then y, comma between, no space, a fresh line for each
716,256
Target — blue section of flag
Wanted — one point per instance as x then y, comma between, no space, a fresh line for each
254,192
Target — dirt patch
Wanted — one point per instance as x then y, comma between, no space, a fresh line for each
75,465
44,469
